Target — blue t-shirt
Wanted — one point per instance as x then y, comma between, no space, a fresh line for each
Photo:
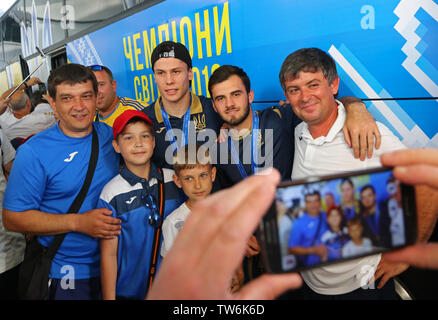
125,195
202,118
303,233
48,173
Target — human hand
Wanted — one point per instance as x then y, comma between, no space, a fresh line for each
237,280
420,256
223,133
97,223
33,81
4,104
321,251
253,247
359,130
387,270
210,247
414,166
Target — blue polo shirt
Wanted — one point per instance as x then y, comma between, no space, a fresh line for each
203,129
303,234
125,195
48,173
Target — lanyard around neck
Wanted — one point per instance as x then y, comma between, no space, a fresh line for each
254,150
169,129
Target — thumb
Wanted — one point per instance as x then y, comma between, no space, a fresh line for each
104,211
346,136
268,287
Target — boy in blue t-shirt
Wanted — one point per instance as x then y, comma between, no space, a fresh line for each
137,196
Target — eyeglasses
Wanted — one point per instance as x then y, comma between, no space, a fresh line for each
96,67
154,218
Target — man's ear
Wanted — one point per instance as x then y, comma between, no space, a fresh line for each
29,105
177,181
213,173
250,96
116,146
114,84
335,85
51,101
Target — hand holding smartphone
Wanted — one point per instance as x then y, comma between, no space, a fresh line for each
319,221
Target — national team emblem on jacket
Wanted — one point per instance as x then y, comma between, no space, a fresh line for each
199,120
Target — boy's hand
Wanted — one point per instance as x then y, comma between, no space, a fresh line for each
223,133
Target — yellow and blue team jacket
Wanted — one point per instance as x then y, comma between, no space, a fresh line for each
124,104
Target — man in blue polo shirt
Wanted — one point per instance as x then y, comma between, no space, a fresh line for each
305,236
48,173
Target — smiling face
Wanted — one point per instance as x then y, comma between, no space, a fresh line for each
75,106
172,77
136,144
196,182
231,100
355,232
312,96
313,204
334,219
368,198
347,192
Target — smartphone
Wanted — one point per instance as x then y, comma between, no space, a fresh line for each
324,220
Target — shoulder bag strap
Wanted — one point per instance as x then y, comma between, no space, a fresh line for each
157,235
77,203
316,234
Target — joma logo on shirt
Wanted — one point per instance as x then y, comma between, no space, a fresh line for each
130,200
72,155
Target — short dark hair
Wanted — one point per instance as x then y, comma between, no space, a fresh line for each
354,221
347,180
71,73
225,72
368,186
312,193
107,70
307,60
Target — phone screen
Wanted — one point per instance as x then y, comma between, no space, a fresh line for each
42,88
341,218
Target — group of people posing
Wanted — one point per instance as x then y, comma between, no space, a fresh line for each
327,231
156,163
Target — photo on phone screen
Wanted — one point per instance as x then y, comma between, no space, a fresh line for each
337,219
